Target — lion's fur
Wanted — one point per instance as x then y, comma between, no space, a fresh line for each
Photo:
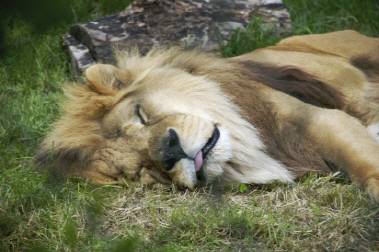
282,111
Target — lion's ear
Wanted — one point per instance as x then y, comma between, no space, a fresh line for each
100,93
105,78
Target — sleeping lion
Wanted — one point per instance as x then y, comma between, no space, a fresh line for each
308,104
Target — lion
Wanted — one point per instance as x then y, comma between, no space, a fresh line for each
308,104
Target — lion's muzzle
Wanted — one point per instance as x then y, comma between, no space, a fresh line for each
172,150
186,170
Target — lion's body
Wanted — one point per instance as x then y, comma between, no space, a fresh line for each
308,104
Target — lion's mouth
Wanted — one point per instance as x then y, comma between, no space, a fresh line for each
202,154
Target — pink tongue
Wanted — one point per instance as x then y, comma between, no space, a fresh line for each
198,161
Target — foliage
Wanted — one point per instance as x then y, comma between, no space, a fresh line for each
320,16
257,34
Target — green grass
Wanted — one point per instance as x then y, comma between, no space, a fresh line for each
40,214
256,35
325,16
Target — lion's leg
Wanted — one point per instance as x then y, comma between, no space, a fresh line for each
100,173
342,140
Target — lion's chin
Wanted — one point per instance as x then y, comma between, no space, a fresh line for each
184,174
187,174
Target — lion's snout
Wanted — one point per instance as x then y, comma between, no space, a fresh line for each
172,150
186,170
180,144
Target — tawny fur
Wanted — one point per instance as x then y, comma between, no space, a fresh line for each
303,105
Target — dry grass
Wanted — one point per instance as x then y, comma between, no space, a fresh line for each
317,214
313,216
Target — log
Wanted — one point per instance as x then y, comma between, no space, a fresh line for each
203,24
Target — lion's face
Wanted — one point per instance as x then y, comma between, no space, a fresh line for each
151,140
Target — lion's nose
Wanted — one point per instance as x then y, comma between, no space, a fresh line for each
172,150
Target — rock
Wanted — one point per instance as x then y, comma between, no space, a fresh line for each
189,23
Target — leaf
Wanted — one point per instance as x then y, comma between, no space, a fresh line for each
242,188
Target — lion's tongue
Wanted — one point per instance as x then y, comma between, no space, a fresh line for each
198,161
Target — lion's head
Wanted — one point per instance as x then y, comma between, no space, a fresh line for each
144,122
156,119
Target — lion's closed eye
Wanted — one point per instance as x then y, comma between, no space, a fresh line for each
141,115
